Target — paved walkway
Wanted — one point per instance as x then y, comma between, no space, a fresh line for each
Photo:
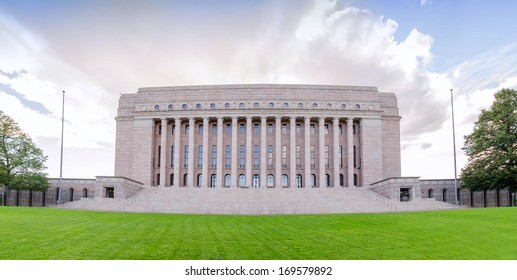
264,201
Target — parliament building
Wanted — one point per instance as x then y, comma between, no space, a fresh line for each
258,136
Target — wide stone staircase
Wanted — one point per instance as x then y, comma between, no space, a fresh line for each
261,201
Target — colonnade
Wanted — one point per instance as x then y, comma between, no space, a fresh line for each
278,170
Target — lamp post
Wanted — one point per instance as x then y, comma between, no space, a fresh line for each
454,147
61,161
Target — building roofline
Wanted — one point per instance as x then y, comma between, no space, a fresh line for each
257,86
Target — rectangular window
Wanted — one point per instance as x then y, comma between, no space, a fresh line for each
340,128
284,128
270,156
270,128
355,164
298,156
228,129
185,162
214,129
242,156
326,127
327,156
243,128
228,155
298,129
200,130
214,156
312,157
312,129
256,129
340,155
173,129
284,156
160,129
187,128
256,156
200,156
172,156
159,155
353,129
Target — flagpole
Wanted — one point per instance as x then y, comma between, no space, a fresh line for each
61,161
454,147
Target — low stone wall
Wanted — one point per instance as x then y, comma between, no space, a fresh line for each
72,190
394,188
443,190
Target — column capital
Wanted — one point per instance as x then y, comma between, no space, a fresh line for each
336,119
321,119
292,118
349,120
306,118
263,118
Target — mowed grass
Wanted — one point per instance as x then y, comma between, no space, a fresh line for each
39,233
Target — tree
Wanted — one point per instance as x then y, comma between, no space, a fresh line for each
21,161
492,146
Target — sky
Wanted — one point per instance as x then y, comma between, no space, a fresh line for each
96,50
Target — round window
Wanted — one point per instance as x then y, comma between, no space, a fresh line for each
314,105
157,107
271,104
212,106
256,105
343,106
198,106
227,105
241,105
171,107
184,106
286,105
300,105
357,106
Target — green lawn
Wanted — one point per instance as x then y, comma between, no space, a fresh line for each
38,233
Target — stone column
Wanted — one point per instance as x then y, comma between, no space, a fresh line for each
249,151
278,151
163,154
234,154
220,152
263,152
177,154
204,170
307,150
292,152
335,154
321,146
350,151
191,144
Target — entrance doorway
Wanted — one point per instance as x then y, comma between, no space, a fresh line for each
110,192
255,182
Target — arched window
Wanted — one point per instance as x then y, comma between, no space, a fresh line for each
71,194
199,179
270,182
85,192
242,180
171,179
341,179
213,180
313,180
185,179
430,193
255,181
285,180
227,180
327,180
299,181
